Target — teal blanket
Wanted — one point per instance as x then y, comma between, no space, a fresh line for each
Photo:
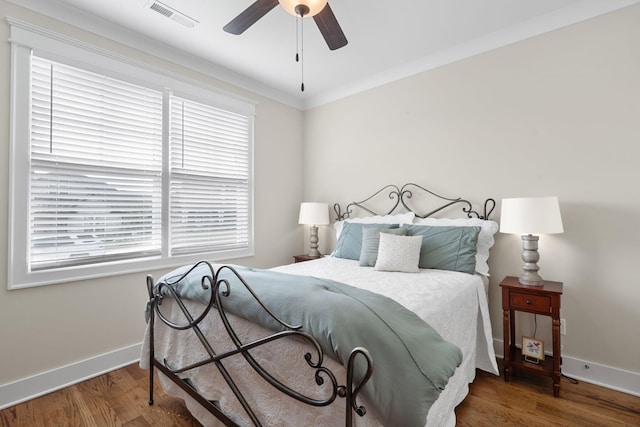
412,362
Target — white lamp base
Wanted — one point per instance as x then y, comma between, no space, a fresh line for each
530,256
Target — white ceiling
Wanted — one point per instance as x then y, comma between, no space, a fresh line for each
388,40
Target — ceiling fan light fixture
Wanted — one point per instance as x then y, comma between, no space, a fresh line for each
293,6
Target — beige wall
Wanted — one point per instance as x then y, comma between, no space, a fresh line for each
558,114
48,327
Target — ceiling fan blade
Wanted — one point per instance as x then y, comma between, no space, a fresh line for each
330,29
250,16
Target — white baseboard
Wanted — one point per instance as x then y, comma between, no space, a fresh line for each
594,373
31,387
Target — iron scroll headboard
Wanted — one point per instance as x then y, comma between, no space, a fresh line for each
402,195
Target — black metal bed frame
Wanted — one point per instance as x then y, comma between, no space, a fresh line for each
220,288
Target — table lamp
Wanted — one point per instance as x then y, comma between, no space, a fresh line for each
313,214
530,216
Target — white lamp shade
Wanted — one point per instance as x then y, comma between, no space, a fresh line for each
531,215
315,6
312,213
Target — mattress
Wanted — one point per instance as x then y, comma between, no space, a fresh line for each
454,304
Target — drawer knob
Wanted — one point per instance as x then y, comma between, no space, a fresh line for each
528,302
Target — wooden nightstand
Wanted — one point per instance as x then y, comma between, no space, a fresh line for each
543,300
302,258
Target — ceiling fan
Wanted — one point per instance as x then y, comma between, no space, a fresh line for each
318,9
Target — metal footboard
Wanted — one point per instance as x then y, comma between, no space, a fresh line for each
218,289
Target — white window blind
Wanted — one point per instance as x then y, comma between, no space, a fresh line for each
210,173
96,167
112,173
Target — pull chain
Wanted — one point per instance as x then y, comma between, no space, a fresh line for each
302,55
297,41
300,43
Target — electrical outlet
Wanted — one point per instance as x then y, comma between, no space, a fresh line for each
563,326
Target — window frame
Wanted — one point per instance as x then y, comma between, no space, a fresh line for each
27,39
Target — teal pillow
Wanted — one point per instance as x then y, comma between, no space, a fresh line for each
371,241
349,243
447,248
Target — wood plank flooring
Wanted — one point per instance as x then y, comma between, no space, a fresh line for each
527,400
120,398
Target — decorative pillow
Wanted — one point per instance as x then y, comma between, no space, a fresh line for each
398,253
370,242
399,219
485,238
349,243
447,248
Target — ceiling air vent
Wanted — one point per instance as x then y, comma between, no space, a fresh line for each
169,12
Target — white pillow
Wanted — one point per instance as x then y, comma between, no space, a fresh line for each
398,253
405,218
485,238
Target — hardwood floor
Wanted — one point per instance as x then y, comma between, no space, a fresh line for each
120,398
527,400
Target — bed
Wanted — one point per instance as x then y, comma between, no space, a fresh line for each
232,371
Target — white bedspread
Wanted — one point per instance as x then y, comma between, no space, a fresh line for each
454,304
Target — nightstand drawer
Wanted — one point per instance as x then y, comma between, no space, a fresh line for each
532,303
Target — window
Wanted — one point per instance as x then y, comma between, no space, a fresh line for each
209,200
113,173
95,168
